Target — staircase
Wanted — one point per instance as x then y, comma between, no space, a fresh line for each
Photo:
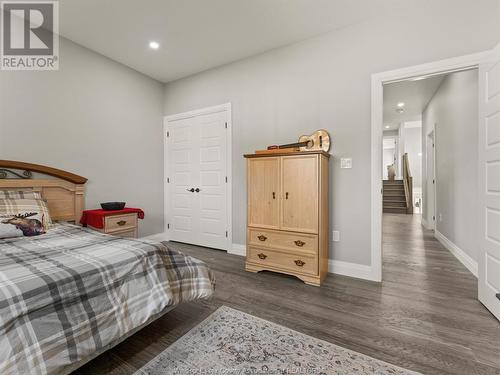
398,194
394,197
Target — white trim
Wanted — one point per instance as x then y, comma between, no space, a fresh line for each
359,271
238,249
163,236
229,157
377,82
461,255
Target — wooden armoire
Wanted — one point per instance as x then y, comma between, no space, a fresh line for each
287,214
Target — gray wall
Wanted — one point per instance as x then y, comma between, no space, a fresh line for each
454,111
93,117
324,82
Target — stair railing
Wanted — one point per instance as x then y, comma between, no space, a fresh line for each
408,184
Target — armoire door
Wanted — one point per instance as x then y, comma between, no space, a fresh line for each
263,192
299,211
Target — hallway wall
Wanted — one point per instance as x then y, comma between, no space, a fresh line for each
453,111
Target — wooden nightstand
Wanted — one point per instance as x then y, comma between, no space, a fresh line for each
124,225
117,223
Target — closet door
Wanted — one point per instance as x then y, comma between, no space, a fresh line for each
197,188
263,192
299,212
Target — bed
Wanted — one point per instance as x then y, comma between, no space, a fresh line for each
72,293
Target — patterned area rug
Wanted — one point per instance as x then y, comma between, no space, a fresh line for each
231,342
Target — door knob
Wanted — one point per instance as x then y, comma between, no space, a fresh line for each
197,190
191,190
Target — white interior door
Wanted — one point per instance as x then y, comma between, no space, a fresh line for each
431,180
197,186
489,183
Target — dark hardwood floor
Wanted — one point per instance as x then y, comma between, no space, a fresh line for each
424,316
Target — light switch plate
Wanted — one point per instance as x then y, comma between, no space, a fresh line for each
336,236
346,163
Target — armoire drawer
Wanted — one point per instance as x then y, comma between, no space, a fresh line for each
283,240
283,261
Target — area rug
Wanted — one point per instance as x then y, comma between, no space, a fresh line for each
231,342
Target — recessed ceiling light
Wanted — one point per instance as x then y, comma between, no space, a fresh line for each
387,127
419,154
154,45
401,104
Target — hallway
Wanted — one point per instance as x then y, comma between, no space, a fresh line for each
424,316
418,263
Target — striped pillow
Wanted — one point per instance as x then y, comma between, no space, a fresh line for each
24,206
20,194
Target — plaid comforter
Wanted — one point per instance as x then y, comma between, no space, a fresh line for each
68,293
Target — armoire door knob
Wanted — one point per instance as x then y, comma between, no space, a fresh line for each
191,190
197,190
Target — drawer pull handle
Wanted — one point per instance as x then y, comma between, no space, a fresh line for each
300,263
286,195
262,238
299,243
262,256
121,223
274,195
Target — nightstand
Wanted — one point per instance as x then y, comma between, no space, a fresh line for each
121,223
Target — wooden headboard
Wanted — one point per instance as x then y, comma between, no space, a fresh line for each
64,194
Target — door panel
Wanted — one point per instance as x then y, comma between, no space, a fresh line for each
183,152
197,158
300,193
489,184
263,192
212,185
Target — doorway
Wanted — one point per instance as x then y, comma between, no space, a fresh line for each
197,160
488,106
390,156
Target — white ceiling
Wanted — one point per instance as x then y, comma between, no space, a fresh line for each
415,95
196,35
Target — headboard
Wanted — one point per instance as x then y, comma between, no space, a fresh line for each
64,194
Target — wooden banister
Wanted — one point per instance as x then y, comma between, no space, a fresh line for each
408,184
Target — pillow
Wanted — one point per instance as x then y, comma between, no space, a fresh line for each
12,207
22,224
20,194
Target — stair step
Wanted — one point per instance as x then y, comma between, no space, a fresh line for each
395,199
394,204
394,188
395,210
393,182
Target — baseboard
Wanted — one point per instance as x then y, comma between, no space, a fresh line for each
461,255
163,236
359,271
238,249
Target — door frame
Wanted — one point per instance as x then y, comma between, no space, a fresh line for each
432,151
378,80
226,107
